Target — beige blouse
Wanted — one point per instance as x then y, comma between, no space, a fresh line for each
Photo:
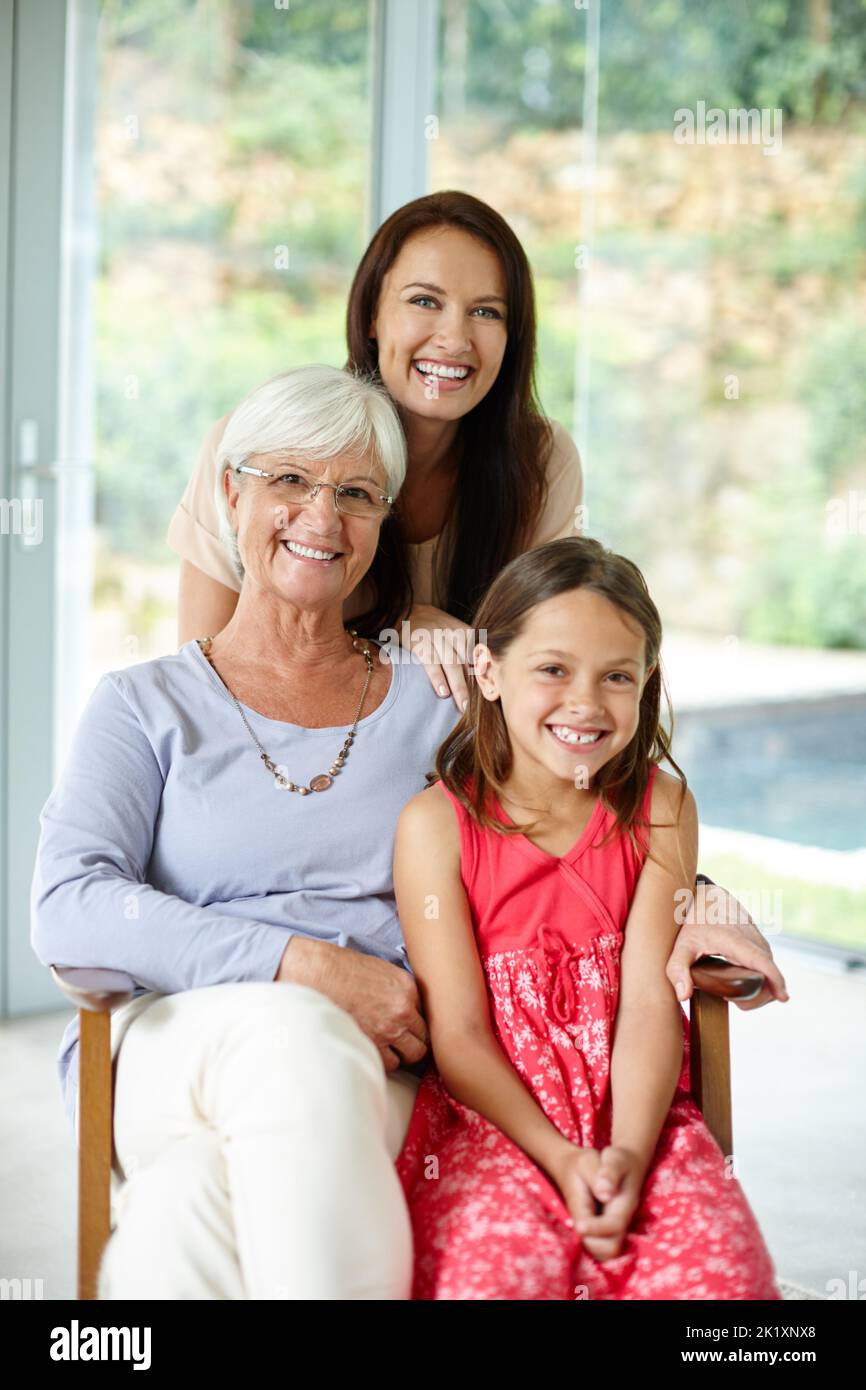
193,532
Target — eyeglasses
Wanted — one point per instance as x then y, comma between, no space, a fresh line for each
293,487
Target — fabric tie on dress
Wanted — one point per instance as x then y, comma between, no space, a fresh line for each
560,955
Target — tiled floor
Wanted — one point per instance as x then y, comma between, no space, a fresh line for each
799,1133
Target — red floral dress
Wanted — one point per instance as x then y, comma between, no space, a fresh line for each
488,1223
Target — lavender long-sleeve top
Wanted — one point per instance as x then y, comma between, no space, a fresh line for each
167,852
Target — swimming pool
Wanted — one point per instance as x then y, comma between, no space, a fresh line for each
794,771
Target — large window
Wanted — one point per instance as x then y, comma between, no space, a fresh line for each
230,157
688,183
703,333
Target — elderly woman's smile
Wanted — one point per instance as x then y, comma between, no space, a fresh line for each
305,552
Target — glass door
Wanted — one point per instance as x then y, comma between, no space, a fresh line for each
229,149
688,183
39,461
187,193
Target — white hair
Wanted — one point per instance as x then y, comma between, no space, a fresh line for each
315,410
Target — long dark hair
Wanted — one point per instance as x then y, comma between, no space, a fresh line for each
506,441
476,759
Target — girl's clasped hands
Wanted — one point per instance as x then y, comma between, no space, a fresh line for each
611,1178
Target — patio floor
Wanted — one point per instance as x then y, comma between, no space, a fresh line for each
713,672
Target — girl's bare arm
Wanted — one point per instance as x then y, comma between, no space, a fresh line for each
648,1039
440,940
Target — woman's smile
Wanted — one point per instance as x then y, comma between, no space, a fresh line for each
447,375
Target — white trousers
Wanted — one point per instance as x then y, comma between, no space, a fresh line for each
255,1133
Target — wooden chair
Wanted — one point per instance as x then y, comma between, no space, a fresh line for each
97,993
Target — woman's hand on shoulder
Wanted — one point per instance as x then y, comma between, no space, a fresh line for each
442,644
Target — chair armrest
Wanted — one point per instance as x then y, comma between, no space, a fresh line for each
715,975
100,991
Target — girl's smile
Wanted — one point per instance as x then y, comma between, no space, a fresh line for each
585,739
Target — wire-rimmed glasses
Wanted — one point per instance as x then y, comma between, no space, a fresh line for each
291,486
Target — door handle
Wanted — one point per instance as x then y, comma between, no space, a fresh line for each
25,501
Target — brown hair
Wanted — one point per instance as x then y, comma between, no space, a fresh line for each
476,758
506,441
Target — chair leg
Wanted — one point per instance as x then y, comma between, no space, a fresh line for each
95,1141
710,1065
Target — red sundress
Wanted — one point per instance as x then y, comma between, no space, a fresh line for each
488,1223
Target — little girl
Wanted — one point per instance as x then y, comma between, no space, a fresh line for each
554,1150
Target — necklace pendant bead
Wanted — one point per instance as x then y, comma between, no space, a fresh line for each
321,783
303,790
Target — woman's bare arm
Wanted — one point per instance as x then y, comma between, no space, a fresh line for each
204,606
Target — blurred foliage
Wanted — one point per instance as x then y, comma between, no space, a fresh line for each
657,57
806,57
191,311
806,578
833,385
327,34
154,407
259,82
803,585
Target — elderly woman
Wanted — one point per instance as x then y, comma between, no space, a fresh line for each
223,833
